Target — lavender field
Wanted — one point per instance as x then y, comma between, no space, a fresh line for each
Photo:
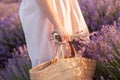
103,20
14,60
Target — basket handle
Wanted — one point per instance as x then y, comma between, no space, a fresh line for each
59,54
73,51
58,51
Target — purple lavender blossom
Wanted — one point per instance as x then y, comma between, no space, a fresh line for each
11,33
105,48
99,12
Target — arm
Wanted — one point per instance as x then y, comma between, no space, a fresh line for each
48,9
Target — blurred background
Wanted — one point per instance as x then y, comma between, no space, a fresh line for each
103,20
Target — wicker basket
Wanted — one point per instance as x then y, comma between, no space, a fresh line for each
65,69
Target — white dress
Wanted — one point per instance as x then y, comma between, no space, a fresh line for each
37,27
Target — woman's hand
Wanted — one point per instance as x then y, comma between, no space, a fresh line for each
65,37
49,10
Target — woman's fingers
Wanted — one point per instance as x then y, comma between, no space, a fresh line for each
65,38
60,37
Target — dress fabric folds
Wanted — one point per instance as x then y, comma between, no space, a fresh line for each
37,27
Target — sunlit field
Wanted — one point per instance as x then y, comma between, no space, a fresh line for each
103,20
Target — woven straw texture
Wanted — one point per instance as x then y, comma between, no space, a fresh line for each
65,69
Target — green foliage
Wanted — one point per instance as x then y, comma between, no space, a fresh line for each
105,48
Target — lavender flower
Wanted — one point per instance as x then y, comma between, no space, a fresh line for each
99,12
11,33
105,48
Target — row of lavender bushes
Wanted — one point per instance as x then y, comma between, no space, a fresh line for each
104,45
17,67
100,12
11,33
9,1
14,60
103,20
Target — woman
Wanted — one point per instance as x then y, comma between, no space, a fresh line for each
40,17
